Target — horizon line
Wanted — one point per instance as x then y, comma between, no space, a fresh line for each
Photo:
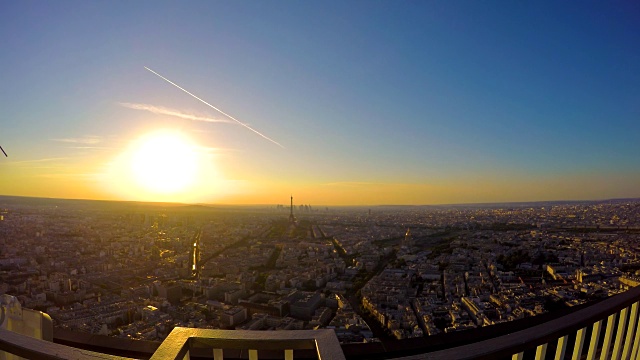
326,205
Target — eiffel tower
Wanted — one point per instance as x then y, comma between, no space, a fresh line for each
292,218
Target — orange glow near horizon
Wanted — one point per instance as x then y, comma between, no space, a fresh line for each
173,166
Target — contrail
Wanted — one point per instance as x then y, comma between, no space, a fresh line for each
216,109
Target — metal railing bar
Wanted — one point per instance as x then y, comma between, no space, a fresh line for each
263,344
245,339
517,356
175,346
180,340
622,327
328,346
31,348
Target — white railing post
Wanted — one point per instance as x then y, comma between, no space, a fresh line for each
253,354
636,343
577,348
630,331
604,354
595,337
561,348
622,327
541,352
217,354
288,354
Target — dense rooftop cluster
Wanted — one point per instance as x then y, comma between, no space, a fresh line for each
138,270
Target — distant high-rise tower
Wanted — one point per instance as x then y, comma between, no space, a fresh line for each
408,238
292,218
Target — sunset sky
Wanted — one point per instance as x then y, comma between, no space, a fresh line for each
372,102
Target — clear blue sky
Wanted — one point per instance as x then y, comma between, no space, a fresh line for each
374,101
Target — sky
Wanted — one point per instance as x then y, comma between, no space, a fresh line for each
359,102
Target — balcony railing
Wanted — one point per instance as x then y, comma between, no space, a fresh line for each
181,340
31,348
609,329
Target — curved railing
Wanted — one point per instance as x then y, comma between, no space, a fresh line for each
609,329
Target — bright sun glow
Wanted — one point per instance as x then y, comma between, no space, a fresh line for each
167,165
164,162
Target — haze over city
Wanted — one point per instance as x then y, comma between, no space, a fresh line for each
371,102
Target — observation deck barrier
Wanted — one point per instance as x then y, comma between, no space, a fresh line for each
609,329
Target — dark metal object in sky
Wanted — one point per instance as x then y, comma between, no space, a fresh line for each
5,154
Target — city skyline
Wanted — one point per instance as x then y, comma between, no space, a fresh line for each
393,275
372,103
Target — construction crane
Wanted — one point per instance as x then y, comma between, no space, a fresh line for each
5,154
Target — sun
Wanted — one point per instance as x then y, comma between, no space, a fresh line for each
164,162
167,165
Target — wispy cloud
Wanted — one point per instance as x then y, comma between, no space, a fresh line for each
352,183
86,176
39,160
171,112
91,147
215,150
84,140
